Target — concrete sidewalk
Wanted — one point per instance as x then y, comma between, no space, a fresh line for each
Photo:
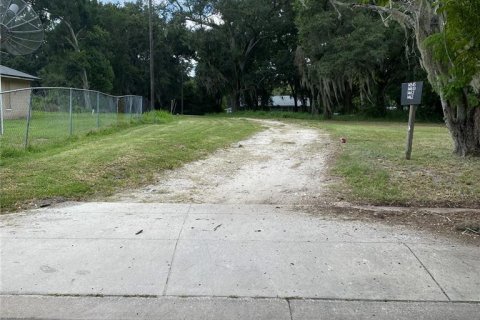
168,261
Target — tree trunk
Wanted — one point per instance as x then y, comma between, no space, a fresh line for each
464,128
304,102
235,100
295,101
347,100
327,108
381,108
86,92
83,75
327,112
462,120
295,97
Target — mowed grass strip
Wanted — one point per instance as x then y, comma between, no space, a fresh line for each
53,128
373,166
101,165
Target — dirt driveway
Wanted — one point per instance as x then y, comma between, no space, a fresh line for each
284,164
235,245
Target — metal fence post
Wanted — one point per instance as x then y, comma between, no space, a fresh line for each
118,115
98,110
131,105
71,112
29,116
2,130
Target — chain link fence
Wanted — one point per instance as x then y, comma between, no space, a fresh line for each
39,116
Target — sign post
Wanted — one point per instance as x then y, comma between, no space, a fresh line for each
411,96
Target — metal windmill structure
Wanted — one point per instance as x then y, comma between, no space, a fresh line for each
21,33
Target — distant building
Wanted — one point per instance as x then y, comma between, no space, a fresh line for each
285,103
15,105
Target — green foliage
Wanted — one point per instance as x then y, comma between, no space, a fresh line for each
111,46
375,171
157,117
424,115
249,53
242,56
458,48
270,115
348,55
447,38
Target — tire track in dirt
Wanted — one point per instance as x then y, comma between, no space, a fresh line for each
284,164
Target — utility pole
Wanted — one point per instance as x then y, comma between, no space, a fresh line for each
152,66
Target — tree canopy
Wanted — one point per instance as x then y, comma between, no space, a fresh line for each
343,56
449,47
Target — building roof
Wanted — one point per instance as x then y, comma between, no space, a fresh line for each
286,101
10,73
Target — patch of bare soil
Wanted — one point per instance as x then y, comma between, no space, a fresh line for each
285,164
460,224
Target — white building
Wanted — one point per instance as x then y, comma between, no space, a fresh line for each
15,105
285,103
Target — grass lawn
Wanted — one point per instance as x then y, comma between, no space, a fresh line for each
373,168
371,164
103,163
47,128
375,171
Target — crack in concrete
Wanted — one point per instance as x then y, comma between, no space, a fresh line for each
288,299
290,309
175,251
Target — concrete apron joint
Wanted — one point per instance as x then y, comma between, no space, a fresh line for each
428,271
286,299
175,251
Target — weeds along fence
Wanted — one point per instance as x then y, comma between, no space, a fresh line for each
39,116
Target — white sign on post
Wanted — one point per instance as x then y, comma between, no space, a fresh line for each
411,96
412,93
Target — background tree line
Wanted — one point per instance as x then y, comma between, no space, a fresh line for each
342,56
242,53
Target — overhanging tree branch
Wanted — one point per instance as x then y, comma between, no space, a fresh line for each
399,14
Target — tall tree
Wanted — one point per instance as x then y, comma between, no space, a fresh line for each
230,34
448,42
344,51
68,20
